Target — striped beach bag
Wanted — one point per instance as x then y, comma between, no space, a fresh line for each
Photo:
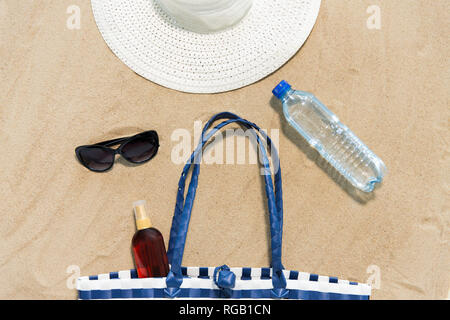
223,282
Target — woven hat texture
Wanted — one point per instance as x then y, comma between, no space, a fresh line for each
152,44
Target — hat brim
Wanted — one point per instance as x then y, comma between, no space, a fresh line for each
152,45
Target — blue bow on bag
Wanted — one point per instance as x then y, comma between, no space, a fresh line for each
225,279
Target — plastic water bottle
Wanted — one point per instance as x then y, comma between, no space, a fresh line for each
332,139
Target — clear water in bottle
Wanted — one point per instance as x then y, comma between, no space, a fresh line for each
332,139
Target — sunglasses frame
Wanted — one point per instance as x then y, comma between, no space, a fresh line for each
106,145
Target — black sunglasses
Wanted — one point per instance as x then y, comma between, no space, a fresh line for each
137,149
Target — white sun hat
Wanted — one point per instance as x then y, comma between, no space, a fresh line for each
205,46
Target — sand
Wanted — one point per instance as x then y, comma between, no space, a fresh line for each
62,88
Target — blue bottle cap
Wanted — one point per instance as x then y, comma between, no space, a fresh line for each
281,89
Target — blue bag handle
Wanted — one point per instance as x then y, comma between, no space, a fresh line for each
183,208
182,183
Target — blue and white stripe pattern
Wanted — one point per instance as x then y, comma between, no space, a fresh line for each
251,283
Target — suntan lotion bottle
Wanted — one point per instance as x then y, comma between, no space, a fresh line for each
149,250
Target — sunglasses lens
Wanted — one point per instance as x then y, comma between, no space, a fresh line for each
140,149
97,159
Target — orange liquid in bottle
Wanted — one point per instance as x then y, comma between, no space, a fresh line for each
150,253
148,246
